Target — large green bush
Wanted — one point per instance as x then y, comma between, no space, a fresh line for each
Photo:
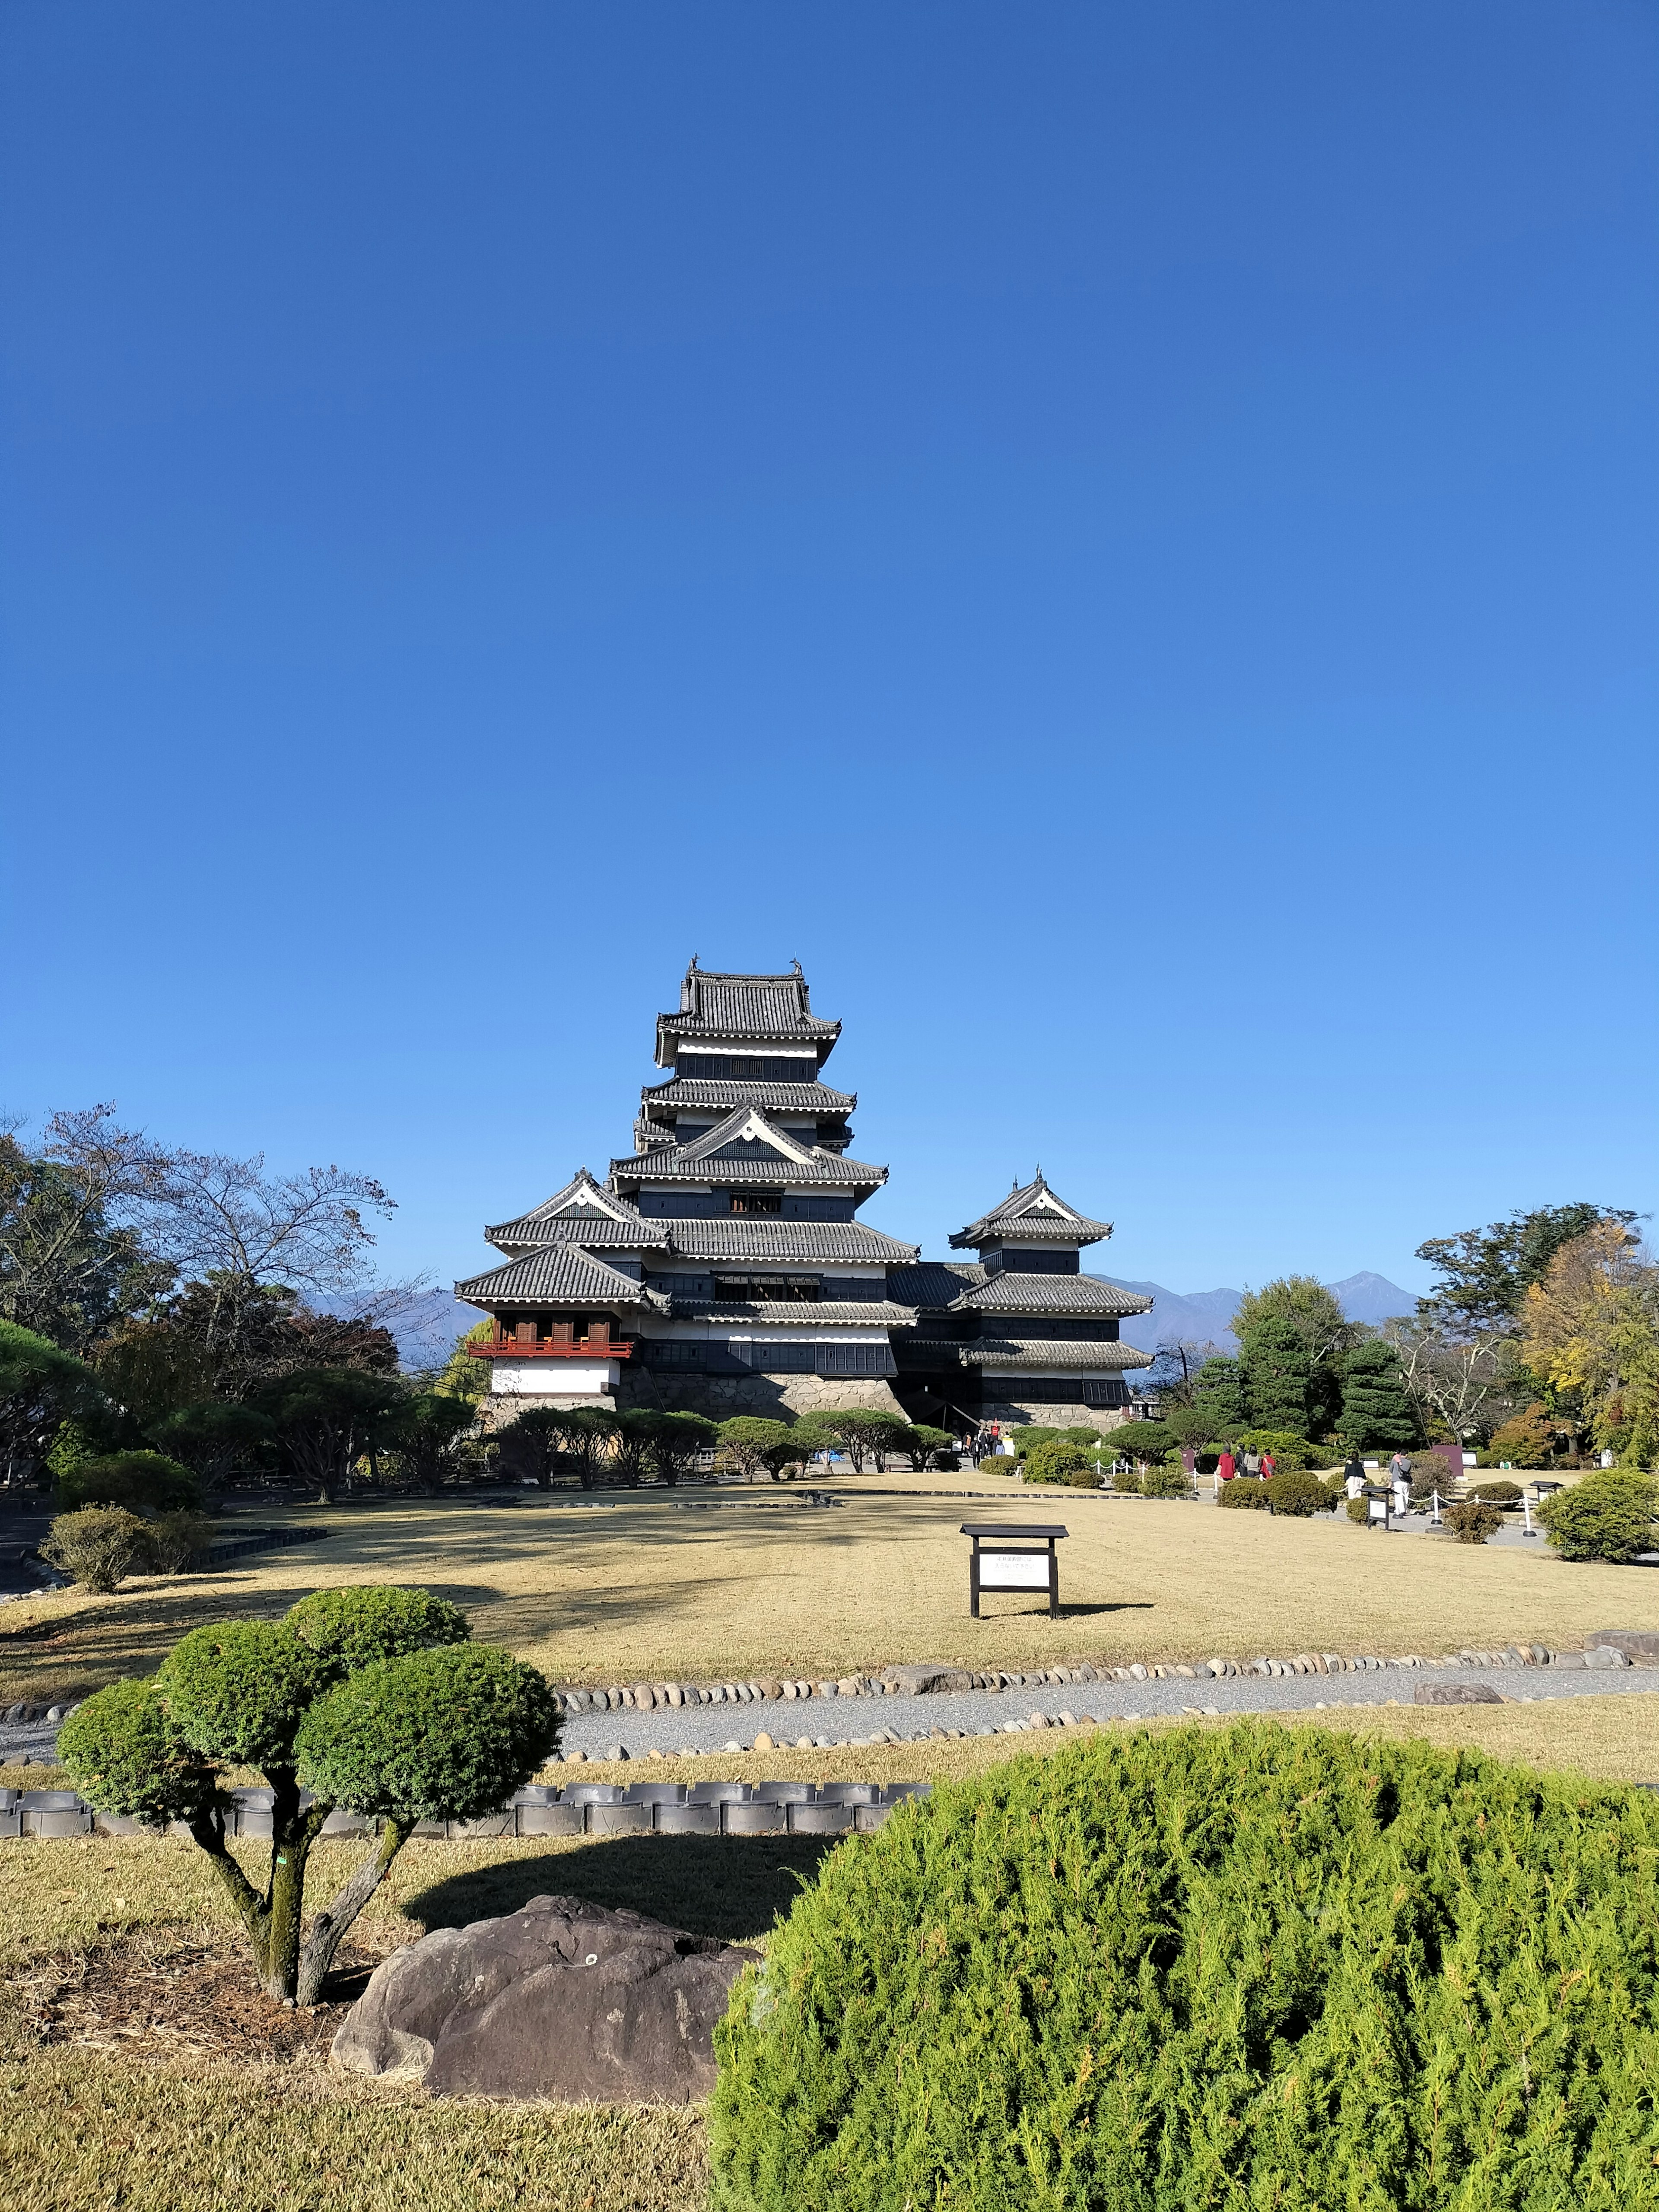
1257,1968
1245,1492
1054,1460
1608,1516
1290,1450
1295,1491
138,1481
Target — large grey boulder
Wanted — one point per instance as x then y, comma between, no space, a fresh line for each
561,1999
1456,1694
1634,1643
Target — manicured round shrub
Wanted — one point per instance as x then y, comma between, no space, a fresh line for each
431,1735
1473,1521
139,1481
98,1547
1498,1493
237,1690
1127,1479
1246,1493
1296,1492
1164,1482
1359,1510
1608,1516
127,1757
1259,1967
353,1627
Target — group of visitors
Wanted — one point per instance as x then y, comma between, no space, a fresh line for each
1259,1466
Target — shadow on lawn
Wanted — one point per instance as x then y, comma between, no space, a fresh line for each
731,1887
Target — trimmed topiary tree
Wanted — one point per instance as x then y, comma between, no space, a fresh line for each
1278,1371
1376,1410
1609,1515
1164,1482
1146,1443
373,1699
1263,1966
1219,1397
1498,1493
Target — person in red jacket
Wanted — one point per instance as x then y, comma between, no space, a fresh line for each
1227,1466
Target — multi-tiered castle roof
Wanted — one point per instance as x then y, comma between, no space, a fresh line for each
721,1263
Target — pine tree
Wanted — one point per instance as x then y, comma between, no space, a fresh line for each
1374,1408
1218,1394
1277,1371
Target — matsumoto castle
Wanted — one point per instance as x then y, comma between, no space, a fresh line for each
720,1265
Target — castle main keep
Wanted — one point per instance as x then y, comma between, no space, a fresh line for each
720,1266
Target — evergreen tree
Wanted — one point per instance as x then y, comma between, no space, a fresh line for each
1277,1373
1376,1410
1218,1394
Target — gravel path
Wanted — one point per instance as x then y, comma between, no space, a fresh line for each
983,1713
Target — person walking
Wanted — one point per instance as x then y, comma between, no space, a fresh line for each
1269,1466
1226,1466
1252,1460
1353,1475
1400,1480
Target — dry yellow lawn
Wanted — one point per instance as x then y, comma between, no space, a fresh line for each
645,1591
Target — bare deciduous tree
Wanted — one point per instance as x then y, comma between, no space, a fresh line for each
1461,1382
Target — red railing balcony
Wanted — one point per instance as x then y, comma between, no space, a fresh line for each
587,1347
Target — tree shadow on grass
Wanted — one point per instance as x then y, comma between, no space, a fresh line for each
731,1887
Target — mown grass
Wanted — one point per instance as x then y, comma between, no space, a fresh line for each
83,2128
643,1589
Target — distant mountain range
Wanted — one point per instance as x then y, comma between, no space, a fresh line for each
1206,1316
427,1332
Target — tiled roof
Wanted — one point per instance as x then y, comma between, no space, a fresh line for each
726,1091
745,1147
933,1282
1024,1354
586,1229
1056,1294
583,1211
560,1275
1032,1214
744,1236
765,1008
826,1313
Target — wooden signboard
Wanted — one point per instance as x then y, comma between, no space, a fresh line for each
1013,1555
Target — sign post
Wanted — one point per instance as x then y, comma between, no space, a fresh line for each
1013,1556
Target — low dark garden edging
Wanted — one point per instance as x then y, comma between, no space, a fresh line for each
584,1808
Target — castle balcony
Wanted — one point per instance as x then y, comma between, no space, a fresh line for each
504,1345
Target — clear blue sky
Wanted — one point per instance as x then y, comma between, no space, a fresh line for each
1124,536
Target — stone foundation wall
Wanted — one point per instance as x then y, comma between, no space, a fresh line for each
1010,1414
776,1397
501,1407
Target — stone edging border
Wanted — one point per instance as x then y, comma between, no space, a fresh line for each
1620,1647
1609,1647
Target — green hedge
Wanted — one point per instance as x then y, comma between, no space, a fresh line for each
1257,1967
